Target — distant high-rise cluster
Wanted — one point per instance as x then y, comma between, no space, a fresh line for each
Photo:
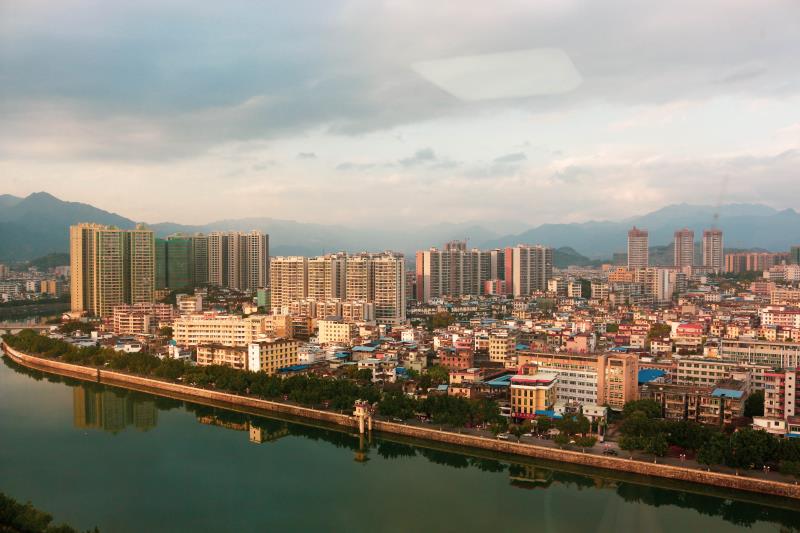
226,259
378,278
457,271
110,266
713,259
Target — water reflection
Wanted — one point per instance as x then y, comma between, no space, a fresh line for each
106,408
111,410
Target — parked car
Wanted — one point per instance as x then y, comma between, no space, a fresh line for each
527,434
610,451
503,436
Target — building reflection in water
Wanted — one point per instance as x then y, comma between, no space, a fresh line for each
111,411
257,433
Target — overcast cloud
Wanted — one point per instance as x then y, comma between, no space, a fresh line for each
313,111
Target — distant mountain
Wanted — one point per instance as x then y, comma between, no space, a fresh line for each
288,237
7,200
743,225
39,224
566,256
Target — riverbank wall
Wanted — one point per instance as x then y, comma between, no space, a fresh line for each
774,488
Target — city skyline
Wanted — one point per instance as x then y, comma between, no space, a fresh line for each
326,109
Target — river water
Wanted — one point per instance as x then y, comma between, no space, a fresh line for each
125,461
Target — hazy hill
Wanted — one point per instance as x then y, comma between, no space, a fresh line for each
38,225
744,226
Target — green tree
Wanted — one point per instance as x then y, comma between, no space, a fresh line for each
543,424
650,408
754,404
25,518
585,442
791,468
657,445
498,427
442,320
438,374
752,448
562,439
659,331
714,451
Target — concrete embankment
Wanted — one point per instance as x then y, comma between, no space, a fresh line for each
155,386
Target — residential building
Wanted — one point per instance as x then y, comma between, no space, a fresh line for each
454,271
270,356
141,318
684,248
219,354
713,250
226,330
109,267
713,405
527,269
601,379
238,260
175,262
501,346
288,280
752,261
534,394
335,330
638,249
389,294
188,304
781,393
706,372
773,354
327,277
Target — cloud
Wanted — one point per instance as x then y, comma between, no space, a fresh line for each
182,78
349,166
424,155
516,157
191,99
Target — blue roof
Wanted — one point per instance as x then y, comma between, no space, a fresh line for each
522,346
548,412
442,388
502,381
728,393
364,348
293,368
650,374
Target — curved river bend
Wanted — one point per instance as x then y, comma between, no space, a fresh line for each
125,461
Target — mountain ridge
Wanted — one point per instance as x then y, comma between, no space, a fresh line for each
38,225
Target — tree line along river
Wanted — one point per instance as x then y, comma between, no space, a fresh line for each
94,455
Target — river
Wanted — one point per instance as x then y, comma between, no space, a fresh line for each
125,461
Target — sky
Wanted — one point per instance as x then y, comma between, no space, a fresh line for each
401,112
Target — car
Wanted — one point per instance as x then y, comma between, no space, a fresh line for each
610,451
503,436
527,434
396,419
